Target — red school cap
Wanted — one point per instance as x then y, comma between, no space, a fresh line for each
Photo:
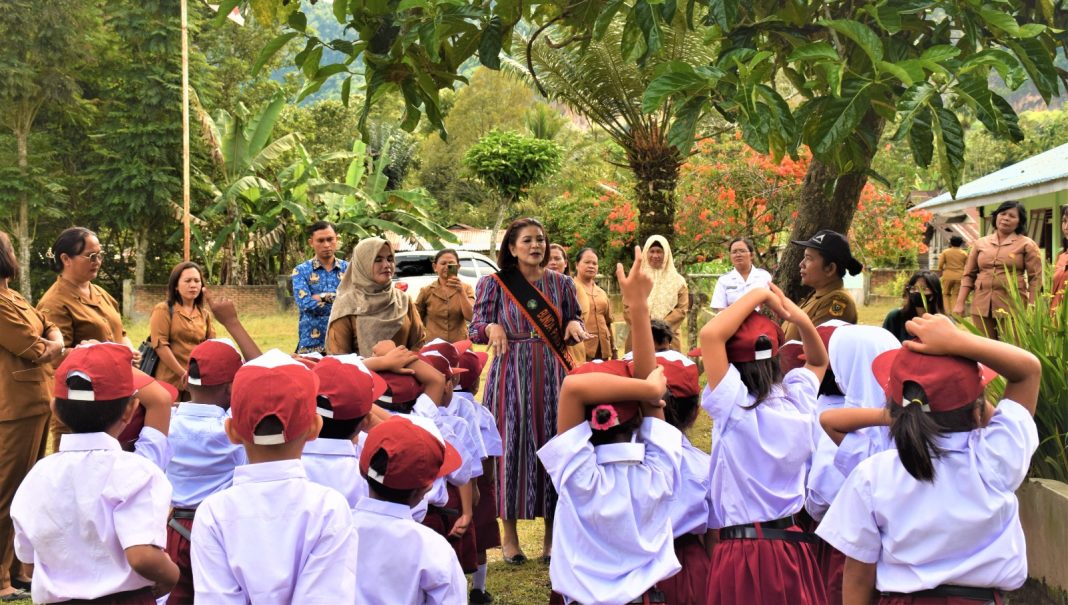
623,410
950,382
217,362
415,450
681,373
741,347
792,352
273,384
473,362
108,368
402,388
347,389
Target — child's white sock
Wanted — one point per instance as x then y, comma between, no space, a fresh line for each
479,578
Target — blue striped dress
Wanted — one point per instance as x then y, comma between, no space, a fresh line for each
522,390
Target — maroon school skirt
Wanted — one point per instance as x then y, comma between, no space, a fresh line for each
831,562
688,586
909,600
178,550
764,572
442,523
487,531
141,596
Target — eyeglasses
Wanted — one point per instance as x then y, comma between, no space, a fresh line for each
95,257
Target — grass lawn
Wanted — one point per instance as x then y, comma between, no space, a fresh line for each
511,585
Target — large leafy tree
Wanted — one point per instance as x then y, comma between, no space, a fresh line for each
136,137
41,58
510,164
918,66
605,87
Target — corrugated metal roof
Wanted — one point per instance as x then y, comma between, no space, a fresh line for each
1042,173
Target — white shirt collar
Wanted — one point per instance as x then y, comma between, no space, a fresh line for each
629,453
330,447
207,410
82,442
382,507
279,470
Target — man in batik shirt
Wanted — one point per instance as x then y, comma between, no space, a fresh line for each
315,283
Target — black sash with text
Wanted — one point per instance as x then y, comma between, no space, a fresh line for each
545,317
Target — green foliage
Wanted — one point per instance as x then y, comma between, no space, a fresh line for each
511,163
1044,332
367,203
855,64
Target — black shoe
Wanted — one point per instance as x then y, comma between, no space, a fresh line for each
21,584
479,597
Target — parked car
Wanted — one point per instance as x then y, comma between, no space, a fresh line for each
416,269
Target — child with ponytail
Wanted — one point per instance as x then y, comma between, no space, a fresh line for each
934,520
615,464
761,446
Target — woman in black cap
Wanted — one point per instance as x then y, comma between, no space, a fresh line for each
827,259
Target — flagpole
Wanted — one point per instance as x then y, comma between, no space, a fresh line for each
185,129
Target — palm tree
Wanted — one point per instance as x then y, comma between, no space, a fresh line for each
596,81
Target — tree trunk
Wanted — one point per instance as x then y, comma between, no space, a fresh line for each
139,256
22,228
655,165
828,200
502,212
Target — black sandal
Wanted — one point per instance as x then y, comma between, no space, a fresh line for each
516,559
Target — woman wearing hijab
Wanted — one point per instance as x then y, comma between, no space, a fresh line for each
670,297
368,309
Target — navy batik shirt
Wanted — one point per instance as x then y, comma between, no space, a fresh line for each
310,277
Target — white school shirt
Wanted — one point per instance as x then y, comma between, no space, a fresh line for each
824,480
689,508
732,286
851,351
274,537
759,455
153,446
612,537
487,426
204,459
439,492
858,446
963,529
401,561
465,408
334,463
77,512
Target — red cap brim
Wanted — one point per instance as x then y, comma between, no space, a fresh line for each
452,460
462,346
695,352
141,380
378,385
882,365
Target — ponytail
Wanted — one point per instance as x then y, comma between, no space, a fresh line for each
915,431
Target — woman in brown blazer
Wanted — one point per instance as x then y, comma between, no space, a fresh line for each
368,307
179,324
597,314
446,305
78,307
991,262
28,345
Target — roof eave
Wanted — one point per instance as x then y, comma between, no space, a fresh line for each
951,205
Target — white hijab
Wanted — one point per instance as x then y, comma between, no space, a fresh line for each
851,351
666,280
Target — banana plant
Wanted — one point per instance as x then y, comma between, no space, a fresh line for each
365,206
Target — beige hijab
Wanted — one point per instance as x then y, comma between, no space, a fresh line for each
379,310
666,281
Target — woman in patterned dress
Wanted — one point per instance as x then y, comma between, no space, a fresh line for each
524,379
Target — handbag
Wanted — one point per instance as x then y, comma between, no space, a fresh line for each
149,356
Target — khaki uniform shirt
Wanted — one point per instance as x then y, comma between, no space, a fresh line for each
342,333
25,387
94,318
179,331
598,321
439,307
989,265
832,303
951,263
